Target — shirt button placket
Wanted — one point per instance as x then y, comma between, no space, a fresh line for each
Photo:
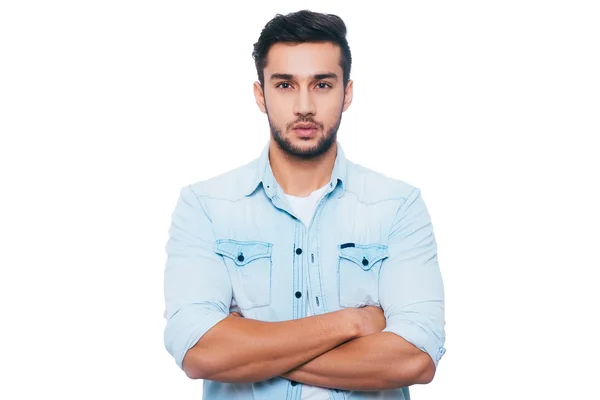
298,294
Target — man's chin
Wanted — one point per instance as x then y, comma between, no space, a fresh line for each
304,146
307,149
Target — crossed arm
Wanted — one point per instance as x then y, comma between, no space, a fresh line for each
329,350
370,361
376,362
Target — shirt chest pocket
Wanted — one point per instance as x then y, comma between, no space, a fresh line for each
358,273
249,264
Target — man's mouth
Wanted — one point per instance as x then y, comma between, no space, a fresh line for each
305,126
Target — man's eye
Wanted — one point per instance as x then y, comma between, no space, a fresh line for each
323,85
283,85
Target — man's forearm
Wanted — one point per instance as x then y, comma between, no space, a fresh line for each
246,350
376,362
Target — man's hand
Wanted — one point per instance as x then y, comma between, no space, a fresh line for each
372,320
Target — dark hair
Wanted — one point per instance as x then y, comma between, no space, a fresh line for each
300,27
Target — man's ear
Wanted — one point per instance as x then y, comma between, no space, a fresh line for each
348,94
259,95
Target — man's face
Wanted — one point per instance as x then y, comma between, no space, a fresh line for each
304,96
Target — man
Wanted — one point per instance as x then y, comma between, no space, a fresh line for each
302,275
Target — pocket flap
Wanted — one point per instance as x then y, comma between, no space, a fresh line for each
365,255
243,252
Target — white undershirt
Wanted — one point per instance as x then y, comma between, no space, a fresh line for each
304,208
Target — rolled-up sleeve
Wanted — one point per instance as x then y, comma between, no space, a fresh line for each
411,291
197,289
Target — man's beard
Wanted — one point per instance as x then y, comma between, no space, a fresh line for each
322,146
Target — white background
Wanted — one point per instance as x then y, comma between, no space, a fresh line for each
108,108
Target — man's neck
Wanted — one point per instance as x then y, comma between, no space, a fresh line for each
300,177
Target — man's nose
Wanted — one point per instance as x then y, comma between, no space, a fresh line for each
304,104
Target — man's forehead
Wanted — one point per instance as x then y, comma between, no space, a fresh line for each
303,60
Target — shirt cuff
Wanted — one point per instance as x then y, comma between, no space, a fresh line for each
420,337
185,329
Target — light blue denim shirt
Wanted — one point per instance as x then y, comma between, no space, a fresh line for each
235,242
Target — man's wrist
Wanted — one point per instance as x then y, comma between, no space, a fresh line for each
352,322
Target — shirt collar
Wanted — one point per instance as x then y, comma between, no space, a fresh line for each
264,173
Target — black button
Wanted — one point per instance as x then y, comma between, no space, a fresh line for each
294,383
365,262
298,295
241,257
298,251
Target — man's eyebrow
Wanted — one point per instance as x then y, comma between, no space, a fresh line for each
289,77
328,75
